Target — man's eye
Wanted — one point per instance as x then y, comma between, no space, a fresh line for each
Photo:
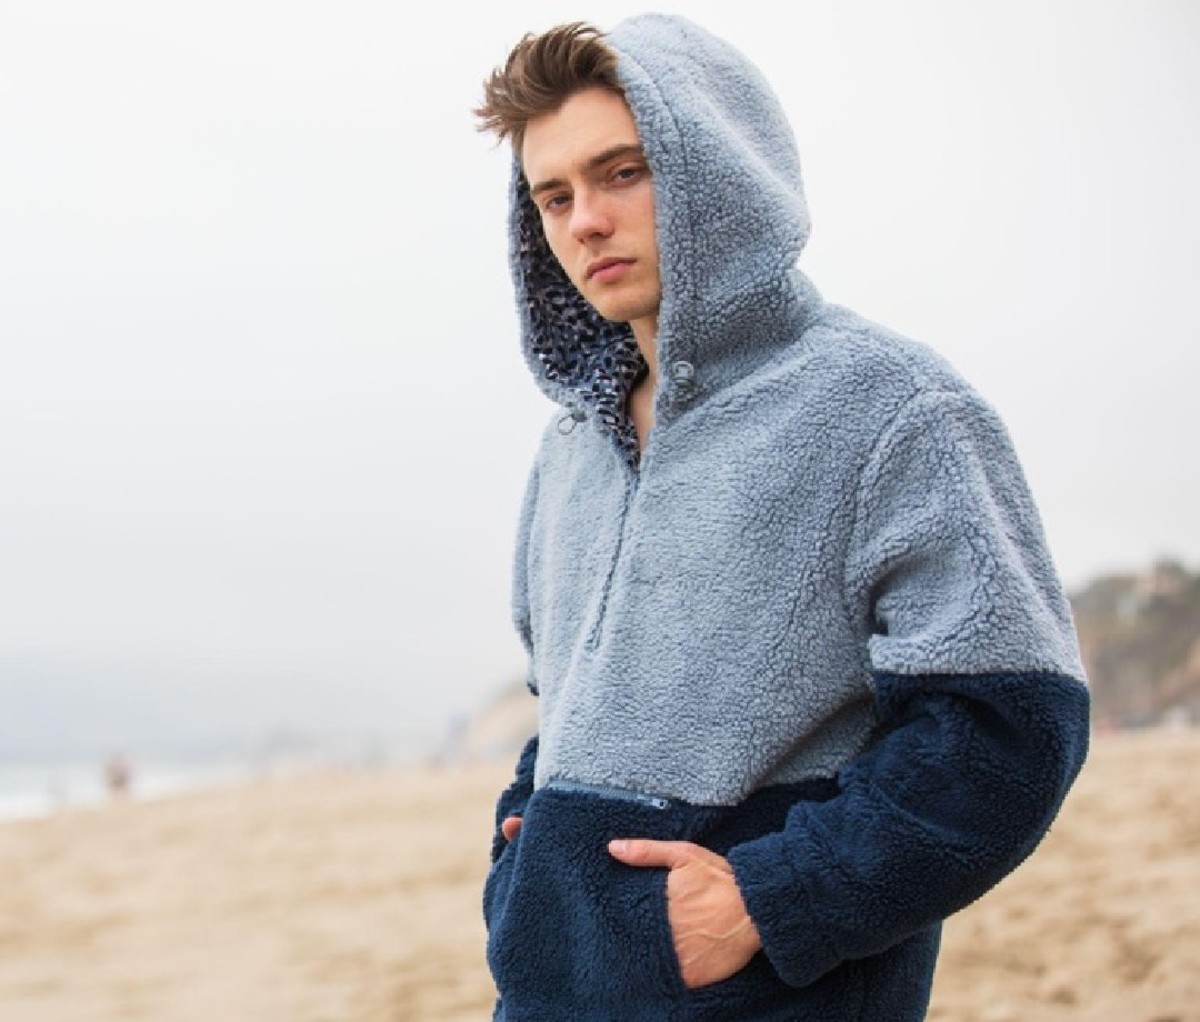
629,173
554,203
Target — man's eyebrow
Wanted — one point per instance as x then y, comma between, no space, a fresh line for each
613,152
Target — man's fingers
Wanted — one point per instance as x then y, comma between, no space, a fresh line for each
644,852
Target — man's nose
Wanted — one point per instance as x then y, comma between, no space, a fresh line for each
589,216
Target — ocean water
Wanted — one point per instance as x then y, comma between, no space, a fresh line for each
30,790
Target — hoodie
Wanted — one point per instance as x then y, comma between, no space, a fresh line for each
812,626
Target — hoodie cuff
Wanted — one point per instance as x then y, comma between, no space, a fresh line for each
766,871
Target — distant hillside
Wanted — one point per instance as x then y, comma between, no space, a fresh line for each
1140,636
498,730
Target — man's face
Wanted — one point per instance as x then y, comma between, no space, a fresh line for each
590,181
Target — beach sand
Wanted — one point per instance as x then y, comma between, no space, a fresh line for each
354,897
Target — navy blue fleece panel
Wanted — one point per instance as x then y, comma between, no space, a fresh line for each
958,789
573,933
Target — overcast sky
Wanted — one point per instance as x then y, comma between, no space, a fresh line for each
263,419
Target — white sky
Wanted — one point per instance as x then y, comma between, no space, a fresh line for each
263,419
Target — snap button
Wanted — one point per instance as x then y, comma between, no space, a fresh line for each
683,373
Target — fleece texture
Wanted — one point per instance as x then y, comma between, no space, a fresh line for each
813,625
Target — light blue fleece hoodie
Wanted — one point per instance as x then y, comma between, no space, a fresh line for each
813,625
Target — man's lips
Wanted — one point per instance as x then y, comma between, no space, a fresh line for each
607,268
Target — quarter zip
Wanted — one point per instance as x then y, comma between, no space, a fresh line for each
633,475
631,487
604,791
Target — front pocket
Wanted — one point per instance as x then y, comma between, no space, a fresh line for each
495,887
575,933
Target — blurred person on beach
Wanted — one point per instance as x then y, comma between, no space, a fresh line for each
807,680
118,776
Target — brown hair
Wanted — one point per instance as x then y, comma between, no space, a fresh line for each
541,73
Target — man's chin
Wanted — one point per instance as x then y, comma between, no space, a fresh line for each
624,312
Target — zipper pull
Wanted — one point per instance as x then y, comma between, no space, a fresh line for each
569,421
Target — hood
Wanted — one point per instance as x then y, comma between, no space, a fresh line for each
730,219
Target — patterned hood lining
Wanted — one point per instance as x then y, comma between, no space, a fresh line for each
593,363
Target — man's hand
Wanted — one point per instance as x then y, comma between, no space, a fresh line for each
510,826
714,935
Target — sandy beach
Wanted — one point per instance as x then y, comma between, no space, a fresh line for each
354,897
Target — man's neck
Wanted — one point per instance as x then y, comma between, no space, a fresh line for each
645,332
641,398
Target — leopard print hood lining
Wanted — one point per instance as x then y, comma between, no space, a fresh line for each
591,362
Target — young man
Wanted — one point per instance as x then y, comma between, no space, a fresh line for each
807,680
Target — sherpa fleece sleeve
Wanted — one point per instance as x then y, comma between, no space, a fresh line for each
521,614
513,799
982,710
